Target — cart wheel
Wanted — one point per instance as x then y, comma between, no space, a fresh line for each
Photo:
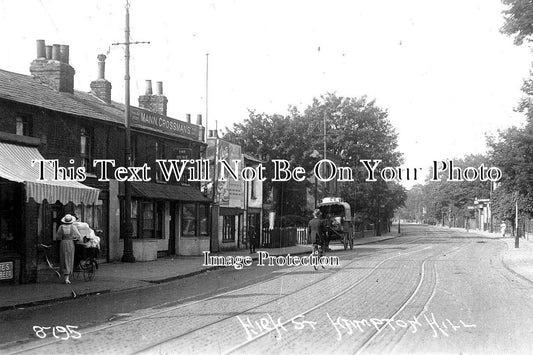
90,270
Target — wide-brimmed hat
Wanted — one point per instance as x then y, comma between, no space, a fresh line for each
68,219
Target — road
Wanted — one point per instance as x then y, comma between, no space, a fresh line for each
429,291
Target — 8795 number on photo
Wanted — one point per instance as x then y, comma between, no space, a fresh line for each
58,332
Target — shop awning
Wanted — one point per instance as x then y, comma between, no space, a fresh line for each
150,190
16,165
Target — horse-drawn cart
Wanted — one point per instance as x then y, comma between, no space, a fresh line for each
338,220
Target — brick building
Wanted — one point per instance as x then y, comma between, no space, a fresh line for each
41,115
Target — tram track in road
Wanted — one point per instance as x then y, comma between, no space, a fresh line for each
321,304
154,346
344,294
379,331
51,342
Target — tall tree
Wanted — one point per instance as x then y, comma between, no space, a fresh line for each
518,18
355,129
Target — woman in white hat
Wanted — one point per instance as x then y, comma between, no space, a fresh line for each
67,233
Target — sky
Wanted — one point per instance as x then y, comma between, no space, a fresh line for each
442,69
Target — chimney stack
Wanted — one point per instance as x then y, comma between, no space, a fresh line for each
100,87
156,103
51,66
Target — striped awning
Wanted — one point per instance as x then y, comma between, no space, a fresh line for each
16,165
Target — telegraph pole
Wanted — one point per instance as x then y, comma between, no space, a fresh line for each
127,256
207,96
516,234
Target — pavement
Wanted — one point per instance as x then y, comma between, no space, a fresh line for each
118,276
518,260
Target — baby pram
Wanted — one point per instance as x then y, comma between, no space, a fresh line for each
86,252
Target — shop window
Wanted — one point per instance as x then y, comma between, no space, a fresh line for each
91,214
228,229
203,216
188,226
134,218
23,125
86,148
8,217
160,214
148,220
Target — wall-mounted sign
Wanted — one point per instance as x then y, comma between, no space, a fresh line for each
145,119
6,270
182,153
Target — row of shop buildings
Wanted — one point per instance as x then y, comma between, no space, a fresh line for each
43,118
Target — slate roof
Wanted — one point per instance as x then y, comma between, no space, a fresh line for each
31,90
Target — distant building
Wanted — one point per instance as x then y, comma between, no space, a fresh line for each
238,203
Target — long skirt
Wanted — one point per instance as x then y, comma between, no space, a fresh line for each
66,256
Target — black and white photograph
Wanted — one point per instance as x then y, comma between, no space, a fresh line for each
266,177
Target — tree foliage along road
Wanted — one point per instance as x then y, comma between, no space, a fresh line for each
356,128
518,20
447,200
511,150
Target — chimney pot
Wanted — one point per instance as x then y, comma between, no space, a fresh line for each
199,120
56,52
41,51
48,52
188,117
159,88
148,87
101,66
64,53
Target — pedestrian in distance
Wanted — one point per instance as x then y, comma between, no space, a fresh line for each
67,234
503,226
252,238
